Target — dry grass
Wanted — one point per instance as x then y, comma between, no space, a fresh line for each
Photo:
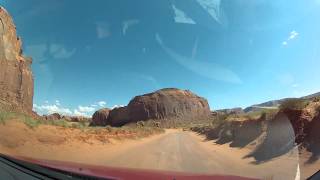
140,130
294,104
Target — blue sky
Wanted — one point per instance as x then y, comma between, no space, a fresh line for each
88,55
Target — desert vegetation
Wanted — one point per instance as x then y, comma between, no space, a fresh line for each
131,131
294,104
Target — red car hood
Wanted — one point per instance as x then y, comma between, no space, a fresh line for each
123,173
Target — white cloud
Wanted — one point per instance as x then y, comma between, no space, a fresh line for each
58,103
102,103
58,51
127,24
93,105
54,108
103,30
86,109
78,113
49,109
181,17
213,8
293,35
117,106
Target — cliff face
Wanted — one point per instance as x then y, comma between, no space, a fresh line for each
16,79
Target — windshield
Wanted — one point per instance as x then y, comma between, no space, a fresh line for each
193,86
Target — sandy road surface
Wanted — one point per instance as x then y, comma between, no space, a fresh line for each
174,150
188,152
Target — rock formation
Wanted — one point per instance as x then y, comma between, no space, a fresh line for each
118,116
54,116
167,103
100,117
16,80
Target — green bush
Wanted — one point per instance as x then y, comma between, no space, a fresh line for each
293,104
31,123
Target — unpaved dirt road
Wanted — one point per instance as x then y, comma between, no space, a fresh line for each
174,150
187,152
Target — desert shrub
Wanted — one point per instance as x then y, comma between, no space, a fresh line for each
293,104
3,117
78,125
30,122
316,99
219,119
140,124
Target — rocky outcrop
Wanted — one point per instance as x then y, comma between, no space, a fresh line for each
168,103
16,80
54,117
100,117
163,104
118,116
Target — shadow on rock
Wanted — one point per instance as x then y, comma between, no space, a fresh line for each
278,139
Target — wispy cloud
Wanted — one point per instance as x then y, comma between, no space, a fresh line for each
49,109
103,30
41,52
37,51
102,103
58,51
56,107
205,69
58,103
127,24
195,49
181,17
86,109
78,113
293,35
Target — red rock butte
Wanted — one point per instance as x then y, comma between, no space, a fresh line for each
16,79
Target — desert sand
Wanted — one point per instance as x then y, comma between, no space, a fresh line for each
174,150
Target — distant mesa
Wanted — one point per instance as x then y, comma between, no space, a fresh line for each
238,110
57,116
16,79
54,116
169,103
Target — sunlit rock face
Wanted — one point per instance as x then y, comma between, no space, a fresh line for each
16,79
164,104
168,103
